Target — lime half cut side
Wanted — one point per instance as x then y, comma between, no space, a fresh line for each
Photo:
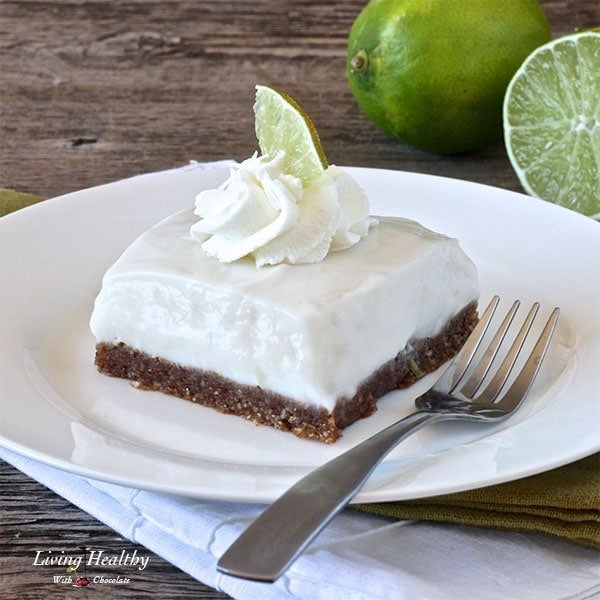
551,119
281,124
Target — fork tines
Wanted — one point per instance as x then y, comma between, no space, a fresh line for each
481,371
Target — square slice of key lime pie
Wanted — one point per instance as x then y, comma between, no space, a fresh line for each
279,298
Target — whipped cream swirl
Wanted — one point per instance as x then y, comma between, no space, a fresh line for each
268,214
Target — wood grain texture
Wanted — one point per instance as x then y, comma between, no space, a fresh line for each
95,91
33,518
92,91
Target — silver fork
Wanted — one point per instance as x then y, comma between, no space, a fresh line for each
282,532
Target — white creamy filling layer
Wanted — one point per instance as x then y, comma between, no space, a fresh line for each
312,332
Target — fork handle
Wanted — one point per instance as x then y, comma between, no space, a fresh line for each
274,540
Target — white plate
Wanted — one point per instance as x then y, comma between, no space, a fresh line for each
56,408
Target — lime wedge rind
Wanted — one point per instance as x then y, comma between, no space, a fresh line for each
551,116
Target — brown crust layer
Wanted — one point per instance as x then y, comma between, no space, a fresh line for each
269,408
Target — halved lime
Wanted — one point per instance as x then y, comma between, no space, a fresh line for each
551,118
282,125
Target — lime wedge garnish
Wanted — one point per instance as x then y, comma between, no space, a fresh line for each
552,122
282,125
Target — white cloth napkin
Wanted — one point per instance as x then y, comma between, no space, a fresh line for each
358,557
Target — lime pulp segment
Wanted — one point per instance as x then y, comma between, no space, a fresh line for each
281,125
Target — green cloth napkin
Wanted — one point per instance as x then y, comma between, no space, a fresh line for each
11,200
564,502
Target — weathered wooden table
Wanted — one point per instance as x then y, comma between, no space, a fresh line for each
95,91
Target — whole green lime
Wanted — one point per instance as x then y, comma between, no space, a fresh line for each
433,73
